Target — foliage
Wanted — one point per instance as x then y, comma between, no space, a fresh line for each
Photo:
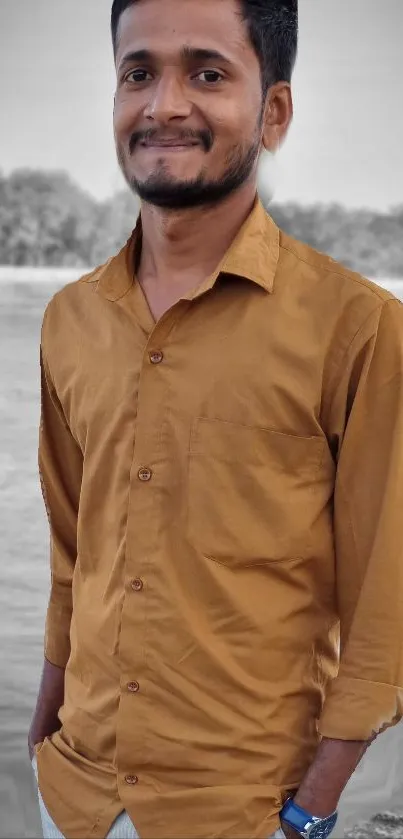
364,240
45,219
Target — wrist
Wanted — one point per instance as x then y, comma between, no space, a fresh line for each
317,805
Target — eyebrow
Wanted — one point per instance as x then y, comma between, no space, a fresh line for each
189,55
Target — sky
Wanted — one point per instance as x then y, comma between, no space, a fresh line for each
345,144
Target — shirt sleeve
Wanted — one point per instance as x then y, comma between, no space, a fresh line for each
366,697
60,469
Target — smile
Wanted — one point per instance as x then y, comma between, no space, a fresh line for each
169,145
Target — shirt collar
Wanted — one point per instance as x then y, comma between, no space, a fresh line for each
253,254
116,277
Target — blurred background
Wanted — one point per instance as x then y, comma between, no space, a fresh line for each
64,208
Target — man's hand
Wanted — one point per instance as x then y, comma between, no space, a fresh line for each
50,699
32,742
334,763
320,791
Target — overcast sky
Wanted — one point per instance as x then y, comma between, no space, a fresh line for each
346,142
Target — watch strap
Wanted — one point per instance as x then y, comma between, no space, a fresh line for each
304,822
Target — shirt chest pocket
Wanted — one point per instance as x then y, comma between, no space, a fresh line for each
252,493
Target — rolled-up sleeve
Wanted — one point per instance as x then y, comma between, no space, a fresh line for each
60,469
367,694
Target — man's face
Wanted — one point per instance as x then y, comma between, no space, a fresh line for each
189,104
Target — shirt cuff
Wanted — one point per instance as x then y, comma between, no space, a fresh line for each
356,709
57,634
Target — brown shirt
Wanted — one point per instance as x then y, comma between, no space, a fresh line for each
225,493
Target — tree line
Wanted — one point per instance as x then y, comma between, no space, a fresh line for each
47,220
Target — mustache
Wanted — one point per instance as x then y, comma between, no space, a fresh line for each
205,137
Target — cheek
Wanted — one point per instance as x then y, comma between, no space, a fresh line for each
234,121
124,117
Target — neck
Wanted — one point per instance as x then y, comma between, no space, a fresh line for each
193,241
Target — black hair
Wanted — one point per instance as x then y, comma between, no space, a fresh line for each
273,31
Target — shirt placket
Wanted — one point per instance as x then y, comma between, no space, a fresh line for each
140,606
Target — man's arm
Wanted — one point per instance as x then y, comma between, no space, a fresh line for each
327,777
60,468
50,699
367,695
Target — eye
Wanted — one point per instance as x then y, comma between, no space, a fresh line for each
137,76
210,77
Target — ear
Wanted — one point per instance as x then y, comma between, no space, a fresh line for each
278,114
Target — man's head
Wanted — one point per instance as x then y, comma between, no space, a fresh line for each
202,85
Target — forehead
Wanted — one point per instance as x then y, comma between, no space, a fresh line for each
164,27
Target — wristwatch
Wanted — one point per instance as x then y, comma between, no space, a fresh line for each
307,825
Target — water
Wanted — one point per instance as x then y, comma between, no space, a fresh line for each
24,574
24,586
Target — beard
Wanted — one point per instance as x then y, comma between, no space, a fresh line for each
160,189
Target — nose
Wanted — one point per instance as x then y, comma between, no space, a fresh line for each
168,102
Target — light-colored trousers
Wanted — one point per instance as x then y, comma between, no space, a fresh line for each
122,828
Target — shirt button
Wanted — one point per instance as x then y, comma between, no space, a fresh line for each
137,585
134,687
156,357
145,474
131,779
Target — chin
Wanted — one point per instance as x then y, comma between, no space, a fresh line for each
172,179
175,170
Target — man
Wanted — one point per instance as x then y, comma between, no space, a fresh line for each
221,457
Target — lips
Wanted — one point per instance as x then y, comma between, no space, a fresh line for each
174,142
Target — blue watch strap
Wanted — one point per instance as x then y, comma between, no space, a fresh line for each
300,819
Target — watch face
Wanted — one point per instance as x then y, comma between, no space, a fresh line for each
324,828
